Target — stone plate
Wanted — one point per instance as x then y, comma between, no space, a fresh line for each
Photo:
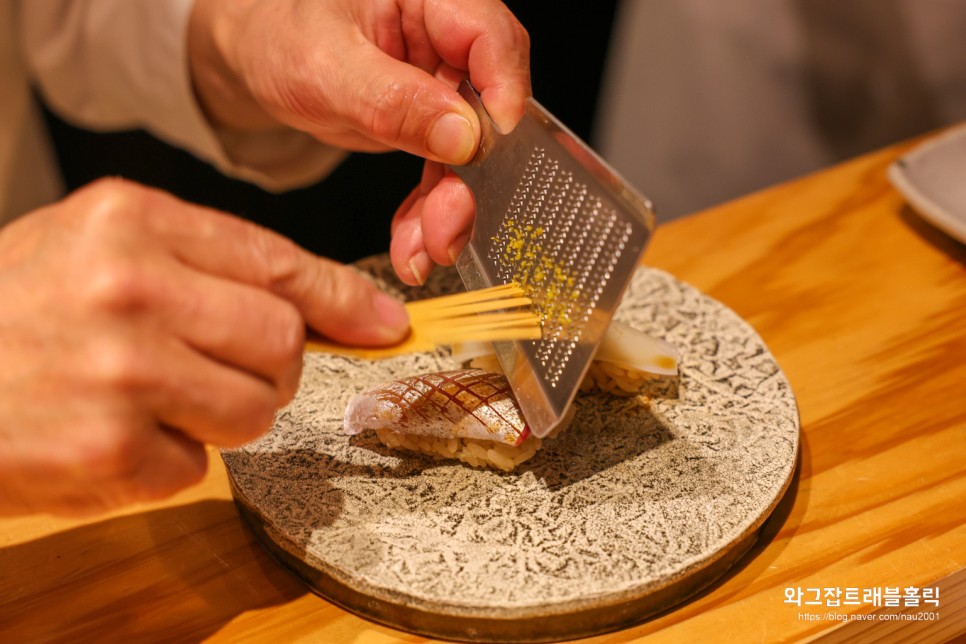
638,505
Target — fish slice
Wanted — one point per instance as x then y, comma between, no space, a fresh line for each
552,216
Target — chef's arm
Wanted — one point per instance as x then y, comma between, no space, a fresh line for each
121,64
273,77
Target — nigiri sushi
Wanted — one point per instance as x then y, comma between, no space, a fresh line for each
466,414
625,361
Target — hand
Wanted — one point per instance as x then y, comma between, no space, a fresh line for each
135,328
371,75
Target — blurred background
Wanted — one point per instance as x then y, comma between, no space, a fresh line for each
695,102
705,101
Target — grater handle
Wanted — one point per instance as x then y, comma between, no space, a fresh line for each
490,134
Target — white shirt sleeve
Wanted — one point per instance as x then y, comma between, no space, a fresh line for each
122,64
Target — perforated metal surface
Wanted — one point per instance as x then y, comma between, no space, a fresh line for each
552,216
562,243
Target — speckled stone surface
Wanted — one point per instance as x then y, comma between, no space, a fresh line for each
638,494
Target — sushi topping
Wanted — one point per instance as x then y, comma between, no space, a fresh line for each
467,403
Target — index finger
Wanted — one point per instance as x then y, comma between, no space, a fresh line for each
332,298
487,40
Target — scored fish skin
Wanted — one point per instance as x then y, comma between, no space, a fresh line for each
464,403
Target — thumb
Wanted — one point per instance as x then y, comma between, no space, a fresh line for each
344,306
404,107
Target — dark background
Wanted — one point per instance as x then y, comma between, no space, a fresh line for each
347,215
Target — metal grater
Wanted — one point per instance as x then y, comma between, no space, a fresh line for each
553,216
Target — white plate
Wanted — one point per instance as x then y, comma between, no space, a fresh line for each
932,177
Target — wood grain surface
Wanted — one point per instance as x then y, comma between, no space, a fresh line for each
863,306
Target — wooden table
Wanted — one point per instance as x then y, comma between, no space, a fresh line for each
864,307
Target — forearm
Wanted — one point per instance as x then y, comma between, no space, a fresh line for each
120,64
112,64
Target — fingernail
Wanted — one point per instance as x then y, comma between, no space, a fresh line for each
457,247
419,266
390,312
451,138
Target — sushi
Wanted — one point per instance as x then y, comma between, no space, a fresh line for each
465,414
470,414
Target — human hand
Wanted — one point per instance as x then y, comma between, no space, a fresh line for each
371,76
135,328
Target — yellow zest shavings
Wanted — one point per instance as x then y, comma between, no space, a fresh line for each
522,256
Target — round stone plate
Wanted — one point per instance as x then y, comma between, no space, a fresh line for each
638,505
